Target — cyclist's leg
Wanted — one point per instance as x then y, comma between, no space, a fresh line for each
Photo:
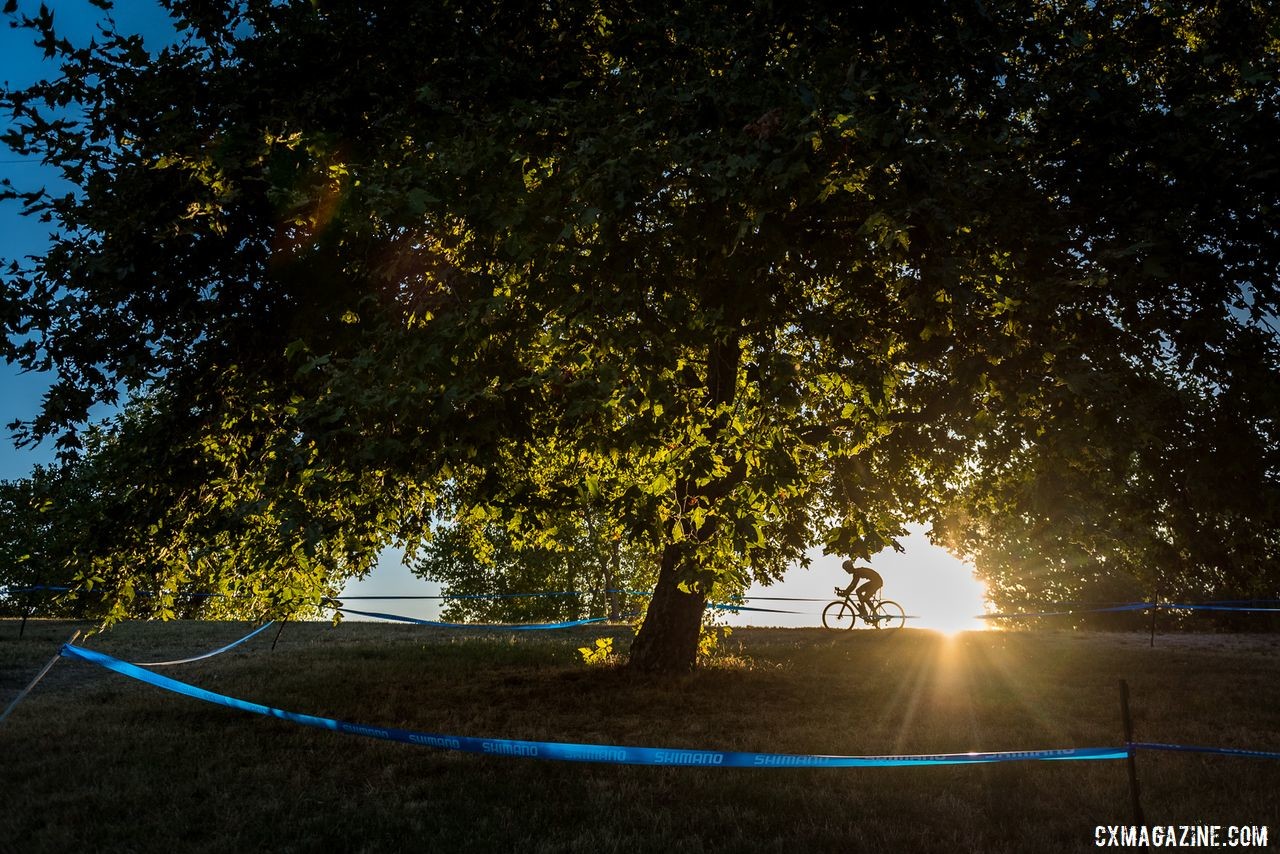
867,592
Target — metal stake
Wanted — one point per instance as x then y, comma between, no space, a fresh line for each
27,690
279,632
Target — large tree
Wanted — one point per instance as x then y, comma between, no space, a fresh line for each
739,278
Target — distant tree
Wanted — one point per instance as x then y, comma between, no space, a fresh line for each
46,519
21,542
64,525
740,279
590,561
1152,491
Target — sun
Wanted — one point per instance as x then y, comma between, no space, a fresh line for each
936,591
939,591
952,625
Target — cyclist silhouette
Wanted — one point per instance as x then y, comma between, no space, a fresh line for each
872,582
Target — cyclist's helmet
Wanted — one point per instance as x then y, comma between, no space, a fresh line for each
848,566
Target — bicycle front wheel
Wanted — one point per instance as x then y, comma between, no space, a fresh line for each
890,616
839,615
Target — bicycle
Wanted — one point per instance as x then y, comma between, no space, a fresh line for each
845,612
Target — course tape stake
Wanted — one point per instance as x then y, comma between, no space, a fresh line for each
32,684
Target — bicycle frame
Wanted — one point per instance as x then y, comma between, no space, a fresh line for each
877,612
867,610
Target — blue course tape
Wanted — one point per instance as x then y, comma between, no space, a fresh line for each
1242,605
515,595
730,607
778,599
604,753
1221,751
528,626
1134,606
144,593
1174,606
1068,607
469,596
218,651
518,627
45,587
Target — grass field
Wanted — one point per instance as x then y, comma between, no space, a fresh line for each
92,761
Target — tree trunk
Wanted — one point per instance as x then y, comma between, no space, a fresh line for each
668,639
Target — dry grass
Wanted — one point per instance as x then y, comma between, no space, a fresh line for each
96,762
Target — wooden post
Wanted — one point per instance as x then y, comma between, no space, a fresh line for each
26,612
1128,746
1155,606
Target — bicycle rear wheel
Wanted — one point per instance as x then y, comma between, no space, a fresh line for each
890,616
839,615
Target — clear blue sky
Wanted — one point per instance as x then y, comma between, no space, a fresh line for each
21,64
926,580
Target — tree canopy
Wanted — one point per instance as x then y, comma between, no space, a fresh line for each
737,278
